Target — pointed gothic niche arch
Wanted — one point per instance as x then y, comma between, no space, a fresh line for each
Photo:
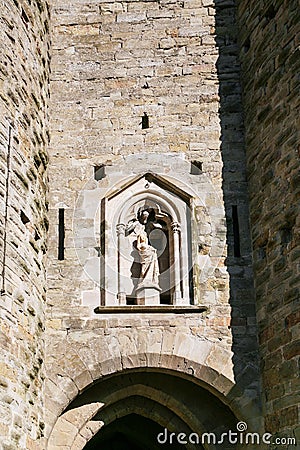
146,244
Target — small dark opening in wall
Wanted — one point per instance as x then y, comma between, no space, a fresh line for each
270,13
99,172
61,234
196,168
24,17
145,121
24,218
236,232
286,235
246,45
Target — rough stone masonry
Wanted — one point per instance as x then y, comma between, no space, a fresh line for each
112,64
24,91
269,55
148,87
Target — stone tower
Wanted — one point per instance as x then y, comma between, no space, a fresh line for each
164,309
269,56
24,68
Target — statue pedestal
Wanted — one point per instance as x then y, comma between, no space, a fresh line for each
148,294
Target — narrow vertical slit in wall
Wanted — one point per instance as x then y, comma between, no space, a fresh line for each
236,232
246,45
145,121
103,250
6,208
61,234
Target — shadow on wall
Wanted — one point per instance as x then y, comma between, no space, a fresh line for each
235,191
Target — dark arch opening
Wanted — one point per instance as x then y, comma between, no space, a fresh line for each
139,404
131,432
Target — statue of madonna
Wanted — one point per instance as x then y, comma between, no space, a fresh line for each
148,259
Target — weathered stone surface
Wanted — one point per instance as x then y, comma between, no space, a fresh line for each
24,94
178,63
172,62
270,65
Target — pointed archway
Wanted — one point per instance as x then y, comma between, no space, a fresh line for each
125,434
143,409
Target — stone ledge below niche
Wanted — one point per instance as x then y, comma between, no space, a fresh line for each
133,309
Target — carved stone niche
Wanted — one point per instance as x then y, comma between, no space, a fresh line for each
146,244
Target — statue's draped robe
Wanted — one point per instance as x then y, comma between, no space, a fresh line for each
148,259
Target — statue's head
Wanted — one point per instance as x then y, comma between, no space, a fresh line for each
143,216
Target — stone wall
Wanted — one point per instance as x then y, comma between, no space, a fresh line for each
24,71
132,79
270,58
113,64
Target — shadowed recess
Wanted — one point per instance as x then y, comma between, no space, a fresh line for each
138,405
